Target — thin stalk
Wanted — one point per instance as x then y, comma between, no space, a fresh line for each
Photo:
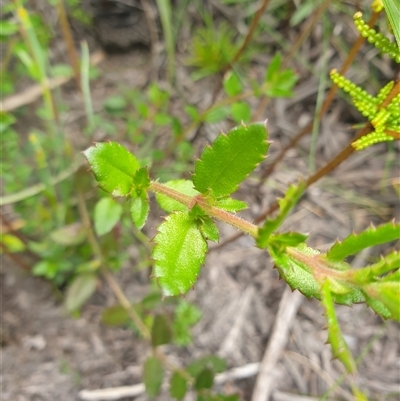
119,294
320,97
38,188
14,257
190,201
85,84
293,50
330,166
164,8
33,44
66,32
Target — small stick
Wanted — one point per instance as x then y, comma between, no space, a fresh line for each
266,379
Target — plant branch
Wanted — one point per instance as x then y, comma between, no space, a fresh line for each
190,201
330,166
66,32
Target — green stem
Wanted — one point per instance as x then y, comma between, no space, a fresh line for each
190,201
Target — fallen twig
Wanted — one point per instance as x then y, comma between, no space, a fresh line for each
266,379
31,94
117,393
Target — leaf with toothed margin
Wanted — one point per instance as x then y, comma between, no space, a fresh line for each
230,159
179,252
113,167
372,236
286,204
386,292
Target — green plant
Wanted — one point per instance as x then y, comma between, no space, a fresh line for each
84,235
181,242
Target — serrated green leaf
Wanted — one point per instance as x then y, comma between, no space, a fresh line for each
171,205
296,274
370,272
205,379
232,84
392,9
161,332
177,385
231,158
377,306
286,204
231,205
140,210
79,291
387,292
241,112
113,167
153,374
107,213
209,229
179,253
372,236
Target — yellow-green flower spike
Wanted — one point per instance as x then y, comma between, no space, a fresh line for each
377,39
379,121
377,6
381,96
352,89
371,139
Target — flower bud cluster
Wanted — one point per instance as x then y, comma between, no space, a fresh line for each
377,39
383,119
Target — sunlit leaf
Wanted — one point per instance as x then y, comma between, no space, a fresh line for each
224,165
113,167
179,253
